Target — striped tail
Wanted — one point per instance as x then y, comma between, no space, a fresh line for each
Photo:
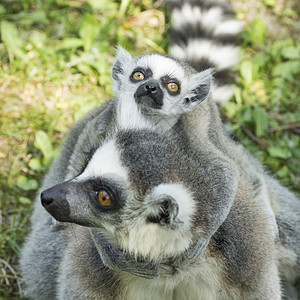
205,35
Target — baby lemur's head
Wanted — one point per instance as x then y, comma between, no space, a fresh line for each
153,89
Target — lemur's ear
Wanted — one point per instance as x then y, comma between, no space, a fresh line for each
170,205
199,88
123,59
165,212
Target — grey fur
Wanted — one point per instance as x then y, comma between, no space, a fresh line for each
116,259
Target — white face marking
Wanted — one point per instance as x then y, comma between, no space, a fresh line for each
129,112
182,196
106,160
161,66
156,241
130,115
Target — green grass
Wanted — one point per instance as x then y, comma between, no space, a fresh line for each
55,66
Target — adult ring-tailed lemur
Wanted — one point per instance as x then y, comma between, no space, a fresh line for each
153,199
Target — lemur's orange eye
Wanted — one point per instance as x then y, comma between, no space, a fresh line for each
86,161
138,76
173,87
104,198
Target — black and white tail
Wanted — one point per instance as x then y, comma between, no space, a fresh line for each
205,35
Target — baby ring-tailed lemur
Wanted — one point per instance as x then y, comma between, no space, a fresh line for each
148,197
166,95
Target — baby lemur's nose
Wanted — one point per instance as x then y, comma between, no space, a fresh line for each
151,87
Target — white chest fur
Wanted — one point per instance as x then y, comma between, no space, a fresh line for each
202,281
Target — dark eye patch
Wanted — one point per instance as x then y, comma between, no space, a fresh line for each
113,189
147,73
165,80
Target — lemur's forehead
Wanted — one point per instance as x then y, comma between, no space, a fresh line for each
105,161
161,66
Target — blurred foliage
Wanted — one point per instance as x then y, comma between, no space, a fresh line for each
56,57
265,113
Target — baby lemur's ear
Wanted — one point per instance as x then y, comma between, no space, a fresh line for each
199,88
123,61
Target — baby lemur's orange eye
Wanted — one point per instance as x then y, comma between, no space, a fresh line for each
104,198
138,76
173,87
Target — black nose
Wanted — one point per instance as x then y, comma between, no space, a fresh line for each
150,88
46,199
149,94
55,202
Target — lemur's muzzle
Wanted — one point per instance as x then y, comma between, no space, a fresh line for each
149,94
54,201
70,201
